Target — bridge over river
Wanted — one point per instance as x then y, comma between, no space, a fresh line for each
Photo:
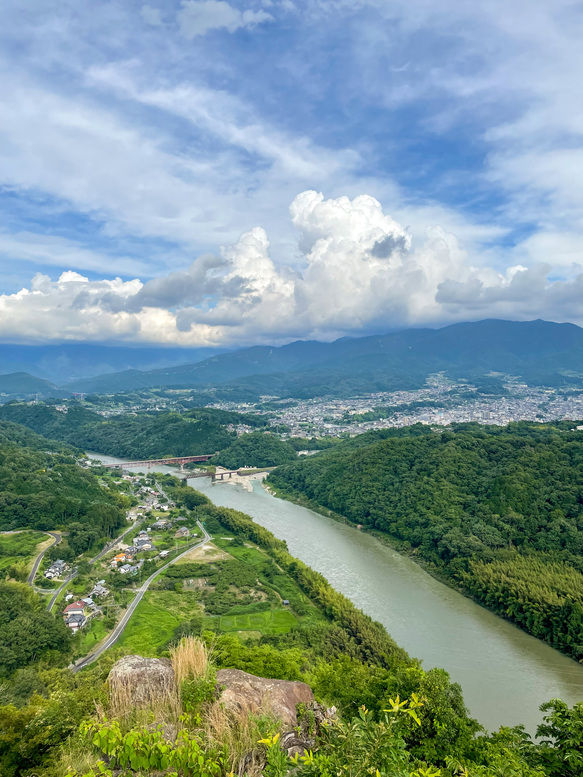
170,461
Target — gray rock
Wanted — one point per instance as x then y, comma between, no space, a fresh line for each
246,692
138,682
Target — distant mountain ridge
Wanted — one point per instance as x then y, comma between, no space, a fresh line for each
17,385
539,352
75,361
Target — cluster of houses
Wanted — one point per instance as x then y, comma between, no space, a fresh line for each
75,613
163,523
57,569
126,558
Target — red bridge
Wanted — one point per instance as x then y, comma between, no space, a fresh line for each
180,460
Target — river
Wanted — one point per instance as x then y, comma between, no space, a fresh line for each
505,673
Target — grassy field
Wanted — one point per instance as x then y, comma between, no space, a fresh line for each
282,583
276,621
91,636
155,619
21,547
160,612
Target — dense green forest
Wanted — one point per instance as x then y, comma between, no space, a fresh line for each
149,435
41,489
256,450
28,633
393,718
498,511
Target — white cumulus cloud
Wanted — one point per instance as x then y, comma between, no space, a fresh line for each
358,270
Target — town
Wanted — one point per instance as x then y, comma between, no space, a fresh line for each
94,591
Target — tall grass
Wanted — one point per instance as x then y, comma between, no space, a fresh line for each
191,658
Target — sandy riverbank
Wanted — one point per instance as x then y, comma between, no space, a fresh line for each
243,480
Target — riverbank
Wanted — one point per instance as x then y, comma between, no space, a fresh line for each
245,481
459,573
401,547
505,673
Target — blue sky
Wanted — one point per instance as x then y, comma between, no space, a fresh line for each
207,172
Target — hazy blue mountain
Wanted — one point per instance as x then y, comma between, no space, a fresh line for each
21,385
73,361
537,351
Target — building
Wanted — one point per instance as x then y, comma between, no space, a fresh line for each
56,569
74,607
99,590
75,621
74,615
182,532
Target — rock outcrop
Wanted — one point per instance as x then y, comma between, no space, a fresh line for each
246,692
138,682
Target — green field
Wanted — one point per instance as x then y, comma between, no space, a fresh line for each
21,547
155,619
277,621
91,636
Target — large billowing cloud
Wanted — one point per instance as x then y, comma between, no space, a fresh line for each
358,270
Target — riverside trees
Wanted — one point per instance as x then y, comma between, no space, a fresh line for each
497,510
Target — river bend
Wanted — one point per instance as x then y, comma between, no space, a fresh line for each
505,673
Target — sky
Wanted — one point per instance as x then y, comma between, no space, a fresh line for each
224,173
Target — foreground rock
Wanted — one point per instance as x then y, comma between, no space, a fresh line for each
243,692
138,682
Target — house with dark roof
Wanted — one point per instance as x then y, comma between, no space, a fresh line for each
75,621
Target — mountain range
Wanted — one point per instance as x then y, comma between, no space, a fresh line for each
538,352
63,363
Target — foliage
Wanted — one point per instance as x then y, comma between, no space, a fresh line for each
27,631
561,751
45,490
258,449
149,435
498,510
146,750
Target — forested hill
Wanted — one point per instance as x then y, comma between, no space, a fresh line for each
155,435
46,489
497,510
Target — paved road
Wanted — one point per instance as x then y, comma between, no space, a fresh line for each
119,629
108,546
57,538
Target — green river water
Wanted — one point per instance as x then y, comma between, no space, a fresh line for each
505,673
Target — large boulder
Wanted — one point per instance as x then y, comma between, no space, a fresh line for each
243,692
138,682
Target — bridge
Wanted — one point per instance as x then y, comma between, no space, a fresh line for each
224,473
176,460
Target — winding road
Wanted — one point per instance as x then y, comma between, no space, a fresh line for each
119,629
107,547
57,537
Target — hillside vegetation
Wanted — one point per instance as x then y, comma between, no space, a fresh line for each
498,511
151,435
394,719
256,450
42,489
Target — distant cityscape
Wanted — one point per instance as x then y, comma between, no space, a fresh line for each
336,417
